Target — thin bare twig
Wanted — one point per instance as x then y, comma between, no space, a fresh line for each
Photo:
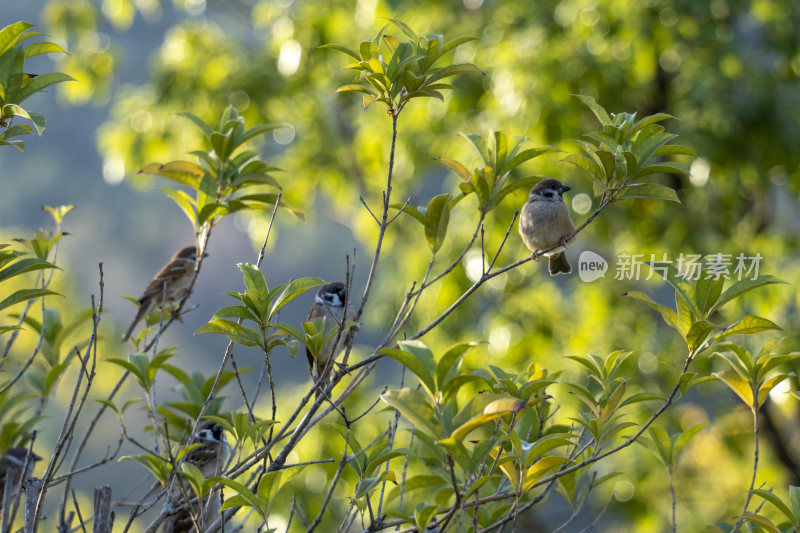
73,411
335,480
378,222
754,408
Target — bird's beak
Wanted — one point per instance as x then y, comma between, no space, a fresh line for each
564,188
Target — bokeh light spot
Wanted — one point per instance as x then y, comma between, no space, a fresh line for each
699,172
113,170
581,203
289,57
624,491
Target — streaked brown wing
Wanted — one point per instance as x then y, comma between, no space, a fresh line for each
171,272
205,458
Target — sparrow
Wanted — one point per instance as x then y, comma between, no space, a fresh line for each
177,274
329,303
11,465
544,222
211,457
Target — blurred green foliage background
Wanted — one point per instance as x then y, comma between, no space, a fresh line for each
729,70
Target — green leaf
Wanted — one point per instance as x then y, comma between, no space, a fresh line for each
423,513
698,333
495,409
660,445
58,213
767,386
9,36
235,332
200,123
269,200
24,265
342,49
684,438
480,146
597,109
19,145
646,121
184,201
44,47
670,274
254,279
437,218
210,211
649,190
586,162
413,405
669,315
450,362
647,144
707,292
24,295
760,521
420,369
777,502
522,183
673,149
413,212
794,498
293,290
244,496
255,131
181,172
195,477
235,311
540,469
268,486
738,385
39,83
737,357
749,325
358,88
662,167
742,286
455,166
405,29
526,155
156,465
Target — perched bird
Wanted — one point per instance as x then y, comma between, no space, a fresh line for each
11,465
329,303
177,274
544,222
210,457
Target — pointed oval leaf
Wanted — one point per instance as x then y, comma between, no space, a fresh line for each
235,332
738,385
437,218
649,190
749,325
416,408
455,166
293,290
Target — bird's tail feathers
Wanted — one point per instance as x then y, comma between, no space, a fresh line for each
559,264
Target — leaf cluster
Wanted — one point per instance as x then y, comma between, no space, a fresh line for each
16,85
405,71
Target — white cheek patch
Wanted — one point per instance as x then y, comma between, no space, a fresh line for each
319,299
206,435
19,462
